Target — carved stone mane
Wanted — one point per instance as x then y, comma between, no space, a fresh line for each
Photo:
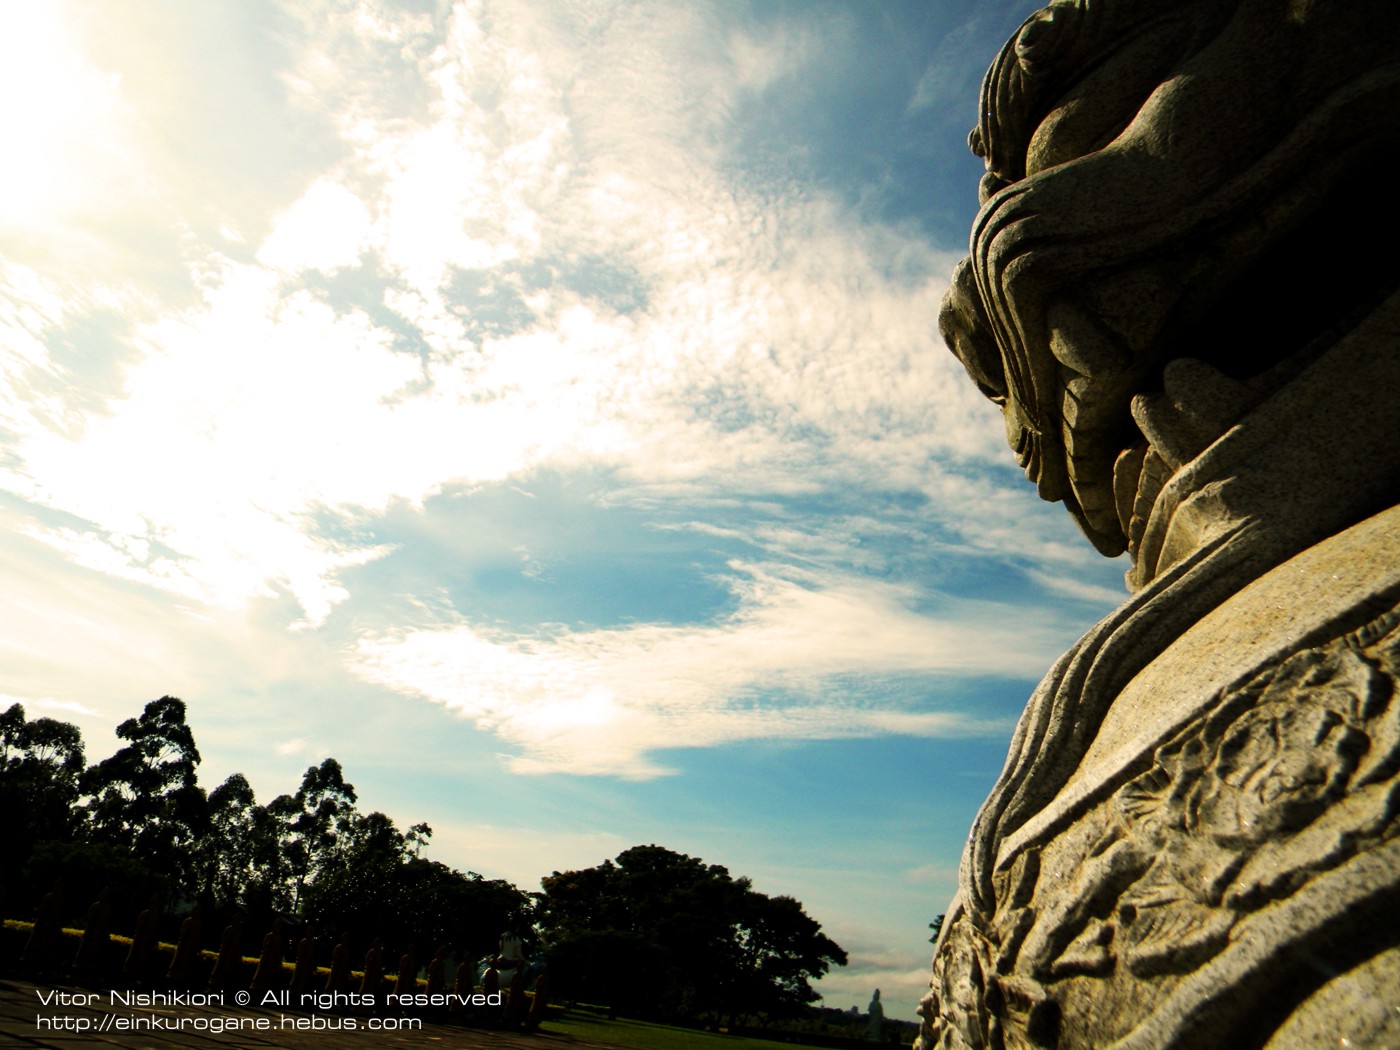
1182,292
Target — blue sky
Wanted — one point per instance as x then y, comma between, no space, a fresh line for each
539,407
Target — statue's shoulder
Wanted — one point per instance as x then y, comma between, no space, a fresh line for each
1173,294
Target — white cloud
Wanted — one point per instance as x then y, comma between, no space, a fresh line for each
522,854
28,309
894,960
69,132
902,982
781,345
942,875
324,230
759,61
1080,589
67,706
238,423
85,641
600,701
42,708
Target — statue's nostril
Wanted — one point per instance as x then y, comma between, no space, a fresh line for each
969,337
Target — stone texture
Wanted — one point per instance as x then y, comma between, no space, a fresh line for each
1190,319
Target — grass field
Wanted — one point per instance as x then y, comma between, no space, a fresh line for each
645,1036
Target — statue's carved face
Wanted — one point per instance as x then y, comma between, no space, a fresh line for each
1170,226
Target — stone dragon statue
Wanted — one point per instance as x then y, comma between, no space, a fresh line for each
1183,291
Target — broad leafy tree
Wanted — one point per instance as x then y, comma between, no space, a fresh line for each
462,910
377,885
780,947
661,934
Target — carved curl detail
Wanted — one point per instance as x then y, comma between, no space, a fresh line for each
1287,779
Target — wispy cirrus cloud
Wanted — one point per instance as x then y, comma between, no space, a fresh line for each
536,252
304,298
654,313
805,657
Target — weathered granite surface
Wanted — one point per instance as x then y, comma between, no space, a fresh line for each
1183,290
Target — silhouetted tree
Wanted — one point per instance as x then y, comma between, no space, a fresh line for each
779,947
230,844
146,796
437,904
374,883
313,821
138,822
678,938
40,763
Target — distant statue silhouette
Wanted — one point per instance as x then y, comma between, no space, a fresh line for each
406,982
437,971
43,937
269,970
339,976
186,950
92,949
230,960
374,968
540,1003
304,975
463,986
875,1026
143,942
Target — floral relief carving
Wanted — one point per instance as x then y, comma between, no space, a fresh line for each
1286,778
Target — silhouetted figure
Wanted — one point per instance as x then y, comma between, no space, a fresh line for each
186,950
437,972
374,968
97,939
406,981
143,943
463,985
230,961
339,976
304,975
43,940
515,997
269,970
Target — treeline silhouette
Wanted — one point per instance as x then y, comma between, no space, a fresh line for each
133,842
139,823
